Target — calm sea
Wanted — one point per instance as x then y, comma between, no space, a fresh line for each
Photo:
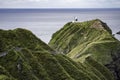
45,22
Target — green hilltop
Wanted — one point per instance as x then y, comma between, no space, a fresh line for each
23,56
94,38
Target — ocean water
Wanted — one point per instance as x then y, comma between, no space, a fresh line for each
44,22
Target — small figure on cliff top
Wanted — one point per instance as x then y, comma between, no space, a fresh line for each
75,19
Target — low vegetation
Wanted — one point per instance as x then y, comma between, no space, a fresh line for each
94,38
79,51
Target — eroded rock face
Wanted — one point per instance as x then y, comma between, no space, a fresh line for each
114,65
98,24
118,33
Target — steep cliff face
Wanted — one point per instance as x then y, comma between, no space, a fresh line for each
25,57
93,38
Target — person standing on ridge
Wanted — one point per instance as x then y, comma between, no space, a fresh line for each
75,19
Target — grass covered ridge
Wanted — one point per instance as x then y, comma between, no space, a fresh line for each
25,57
94,38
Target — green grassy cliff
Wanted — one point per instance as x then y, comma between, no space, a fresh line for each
80,40
25,57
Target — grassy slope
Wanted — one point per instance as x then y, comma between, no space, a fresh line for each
100,68
21,38
82,39
78,40
36,60
72,69
30,69
4,74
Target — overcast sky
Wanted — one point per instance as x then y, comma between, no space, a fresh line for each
59,3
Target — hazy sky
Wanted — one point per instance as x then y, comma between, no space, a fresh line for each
59,3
